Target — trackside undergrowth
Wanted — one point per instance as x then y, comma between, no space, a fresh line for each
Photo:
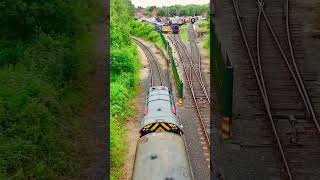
124,76
46,56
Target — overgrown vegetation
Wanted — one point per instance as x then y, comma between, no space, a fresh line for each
124,66
183,32
146,32
206,44
45,58
179,10
204,26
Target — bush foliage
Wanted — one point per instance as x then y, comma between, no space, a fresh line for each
179,10
124,67
146,32
40,64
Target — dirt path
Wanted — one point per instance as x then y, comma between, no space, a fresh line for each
132,126
94,119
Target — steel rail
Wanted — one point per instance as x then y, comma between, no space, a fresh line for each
258,53
154,60
262,77
199,56
186,53
188,76
310,108
265,99
307,105
191,63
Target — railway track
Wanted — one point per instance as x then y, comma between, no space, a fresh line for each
199,94
154,67
196,56
293,121
156,79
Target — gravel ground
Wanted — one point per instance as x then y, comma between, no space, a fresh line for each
192,129
133,124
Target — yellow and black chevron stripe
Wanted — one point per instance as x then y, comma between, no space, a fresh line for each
158,127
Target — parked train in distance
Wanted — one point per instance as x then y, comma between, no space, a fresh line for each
175,28
161,153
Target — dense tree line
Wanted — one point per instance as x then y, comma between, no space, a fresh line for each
45,59
179,10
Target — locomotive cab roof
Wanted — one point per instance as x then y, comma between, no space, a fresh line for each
159,108
161,156
153,88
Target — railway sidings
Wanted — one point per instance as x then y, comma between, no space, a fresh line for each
199,96
277,133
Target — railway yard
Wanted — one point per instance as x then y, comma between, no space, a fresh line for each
274,130
276,90
194,113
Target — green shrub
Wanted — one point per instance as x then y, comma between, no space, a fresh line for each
30,127
10,53
51,56
43,70
22,18
184,34
120,62
207,42
124,67
146,32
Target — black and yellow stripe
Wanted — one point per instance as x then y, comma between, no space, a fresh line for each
158,127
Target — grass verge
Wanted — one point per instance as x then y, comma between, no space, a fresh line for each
184,33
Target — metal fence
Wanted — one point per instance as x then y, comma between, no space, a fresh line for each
179,83
222,73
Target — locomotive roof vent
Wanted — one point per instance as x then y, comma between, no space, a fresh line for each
153,156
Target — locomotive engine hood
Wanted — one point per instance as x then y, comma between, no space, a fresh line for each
159,109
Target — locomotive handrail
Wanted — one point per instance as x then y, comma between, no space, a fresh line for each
159,99
159,94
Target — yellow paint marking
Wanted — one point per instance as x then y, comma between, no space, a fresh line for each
160,129
165,126
154,127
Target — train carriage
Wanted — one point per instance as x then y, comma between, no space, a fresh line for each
165,28
161,156
161,152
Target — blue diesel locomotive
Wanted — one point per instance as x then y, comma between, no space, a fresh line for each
175,28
